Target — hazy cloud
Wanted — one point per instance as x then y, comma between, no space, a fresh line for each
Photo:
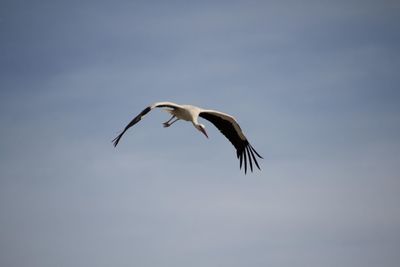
313,84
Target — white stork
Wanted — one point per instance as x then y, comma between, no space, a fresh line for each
224,122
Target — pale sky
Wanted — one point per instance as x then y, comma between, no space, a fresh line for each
313,84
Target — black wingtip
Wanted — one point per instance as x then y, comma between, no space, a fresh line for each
245,161
247,155
255,151
115,141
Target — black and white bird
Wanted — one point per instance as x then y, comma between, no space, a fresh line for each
224,122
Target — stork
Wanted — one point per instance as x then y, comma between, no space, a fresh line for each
227,125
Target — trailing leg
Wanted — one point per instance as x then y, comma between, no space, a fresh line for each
167,123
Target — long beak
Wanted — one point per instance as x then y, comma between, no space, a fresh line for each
204,132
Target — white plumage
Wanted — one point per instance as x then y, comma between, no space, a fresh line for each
224,122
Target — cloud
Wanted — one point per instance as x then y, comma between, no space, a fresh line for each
311,84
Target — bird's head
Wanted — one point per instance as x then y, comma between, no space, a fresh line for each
202,129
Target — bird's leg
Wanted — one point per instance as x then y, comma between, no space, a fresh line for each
174,121
167,124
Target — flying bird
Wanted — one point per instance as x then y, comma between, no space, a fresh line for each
227,125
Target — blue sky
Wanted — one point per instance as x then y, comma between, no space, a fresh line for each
314,85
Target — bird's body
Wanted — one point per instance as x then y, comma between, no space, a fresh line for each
224,122
185,112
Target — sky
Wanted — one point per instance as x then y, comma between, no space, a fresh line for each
313,84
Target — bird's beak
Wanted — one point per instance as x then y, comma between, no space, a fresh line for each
204,132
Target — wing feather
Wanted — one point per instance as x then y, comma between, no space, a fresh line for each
141,115
229,127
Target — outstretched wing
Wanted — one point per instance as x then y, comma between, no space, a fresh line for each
141,115
229,127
